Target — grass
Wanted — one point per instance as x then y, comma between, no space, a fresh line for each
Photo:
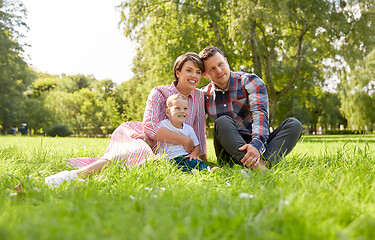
323,190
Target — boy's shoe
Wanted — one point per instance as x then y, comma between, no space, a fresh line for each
213,169
59,178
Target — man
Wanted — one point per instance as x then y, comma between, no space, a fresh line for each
238,104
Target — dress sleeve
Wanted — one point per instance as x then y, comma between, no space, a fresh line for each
199,124
154,113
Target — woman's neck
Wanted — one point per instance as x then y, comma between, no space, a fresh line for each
183,90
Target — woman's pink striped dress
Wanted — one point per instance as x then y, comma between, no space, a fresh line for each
130,151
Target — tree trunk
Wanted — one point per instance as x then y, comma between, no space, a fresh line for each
272,109
272,94
254,46
219,41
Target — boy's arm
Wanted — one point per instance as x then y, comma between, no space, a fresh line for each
194,153
203,157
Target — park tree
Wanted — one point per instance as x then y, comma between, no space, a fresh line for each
130,97
357,93
14,74
106,87
316,108
82,103
36,115
73,83
83,111
44,84
163,30
287,43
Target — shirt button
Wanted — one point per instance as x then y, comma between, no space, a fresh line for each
225,105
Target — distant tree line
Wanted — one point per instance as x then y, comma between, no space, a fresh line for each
294,46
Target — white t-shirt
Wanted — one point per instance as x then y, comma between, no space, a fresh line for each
173,150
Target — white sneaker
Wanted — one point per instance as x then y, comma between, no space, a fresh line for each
59,178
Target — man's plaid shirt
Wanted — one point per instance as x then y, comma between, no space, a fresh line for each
246,101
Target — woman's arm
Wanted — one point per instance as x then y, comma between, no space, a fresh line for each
199,123
165,135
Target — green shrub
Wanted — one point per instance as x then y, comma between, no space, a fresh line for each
58,130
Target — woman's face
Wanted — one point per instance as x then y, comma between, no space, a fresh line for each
188,78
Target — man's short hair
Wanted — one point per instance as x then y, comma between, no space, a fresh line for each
208,52
175,97
182,59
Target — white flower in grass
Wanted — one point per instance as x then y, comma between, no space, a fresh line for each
163,189
154,196
245,173
37,189
13,194
227,183
246,195
147,188
132,197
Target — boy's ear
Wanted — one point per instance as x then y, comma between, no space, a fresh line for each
167,112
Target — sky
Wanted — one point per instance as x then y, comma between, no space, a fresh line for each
78,36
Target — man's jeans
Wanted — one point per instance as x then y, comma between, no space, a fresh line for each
280,142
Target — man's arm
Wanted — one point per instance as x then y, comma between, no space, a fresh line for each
258,101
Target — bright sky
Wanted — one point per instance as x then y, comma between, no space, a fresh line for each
78,36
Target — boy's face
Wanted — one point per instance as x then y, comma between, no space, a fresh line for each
178,112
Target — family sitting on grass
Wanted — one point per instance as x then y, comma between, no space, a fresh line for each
237,102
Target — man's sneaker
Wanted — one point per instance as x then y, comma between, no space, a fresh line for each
58,178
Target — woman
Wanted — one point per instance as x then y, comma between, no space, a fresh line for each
127,147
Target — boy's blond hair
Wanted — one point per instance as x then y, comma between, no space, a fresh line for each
174,97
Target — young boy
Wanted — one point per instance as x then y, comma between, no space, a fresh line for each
177,113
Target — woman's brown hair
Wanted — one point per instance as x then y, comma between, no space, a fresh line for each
182,59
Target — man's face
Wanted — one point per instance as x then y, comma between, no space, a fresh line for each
217,70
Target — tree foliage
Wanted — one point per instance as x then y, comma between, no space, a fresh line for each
358,94
14,74
285,42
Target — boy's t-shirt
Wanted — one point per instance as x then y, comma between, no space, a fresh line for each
173,150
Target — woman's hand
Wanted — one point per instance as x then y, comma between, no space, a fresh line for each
148,140
138,135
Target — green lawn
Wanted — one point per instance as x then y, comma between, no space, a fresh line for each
323,190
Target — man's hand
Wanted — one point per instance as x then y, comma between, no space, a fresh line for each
252,156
